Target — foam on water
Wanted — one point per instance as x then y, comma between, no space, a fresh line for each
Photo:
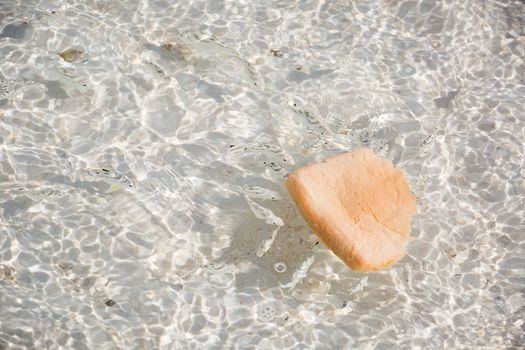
144,144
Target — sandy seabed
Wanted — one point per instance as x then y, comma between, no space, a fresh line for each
144,146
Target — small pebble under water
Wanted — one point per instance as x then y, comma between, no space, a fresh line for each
144,146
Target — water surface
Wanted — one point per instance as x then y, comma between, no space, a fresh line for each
144,144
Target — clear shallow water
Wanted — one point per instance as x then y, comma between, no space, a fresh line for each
142,203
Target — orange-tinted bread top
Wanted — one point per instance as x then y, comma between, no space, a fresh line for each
359,205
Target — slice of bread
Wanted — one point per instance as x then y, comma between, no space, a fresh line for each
359,205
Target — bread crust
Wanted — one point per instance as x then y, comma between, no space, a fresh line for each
364,218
